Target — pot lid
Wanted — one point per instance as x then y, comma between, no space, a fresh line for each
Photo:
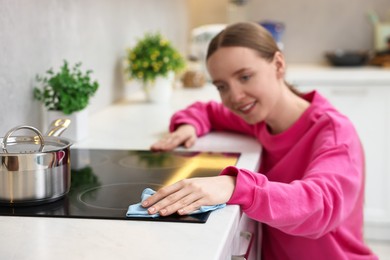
31,144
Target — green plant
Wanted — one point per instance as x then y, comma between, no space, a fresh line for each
153,56
67,90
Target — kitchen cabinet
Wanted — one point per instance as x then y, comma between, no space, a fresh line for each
366,101
247,240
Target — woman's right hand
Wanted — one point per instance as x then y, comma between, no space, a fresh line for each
183,135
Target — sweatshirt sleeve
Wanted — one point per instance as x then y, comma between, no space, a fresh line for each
308,207
208,116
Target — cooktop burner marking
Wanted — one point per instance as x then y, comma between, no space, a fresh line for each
117,196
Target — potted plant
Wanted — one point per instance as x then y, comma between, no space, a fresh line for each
154,61
66,94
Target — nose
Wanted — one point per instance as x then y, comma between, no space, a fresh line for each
236,93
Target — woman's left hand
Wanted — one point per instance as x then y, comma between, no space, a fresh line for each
189,195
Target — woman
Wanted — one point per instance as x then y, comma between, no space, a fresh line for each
308,192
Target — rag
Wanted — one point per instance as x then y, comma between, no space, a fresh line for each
136,210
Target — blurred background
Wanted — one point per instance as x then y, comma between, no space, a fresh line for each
36,35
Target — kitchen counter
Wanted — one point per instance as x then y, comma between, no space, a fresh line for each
133,124
317,74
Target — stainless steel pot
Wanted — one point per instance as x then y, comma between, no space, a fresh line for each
35,169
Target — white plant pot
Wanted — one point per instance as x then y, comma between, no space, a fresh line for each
78,128
160,90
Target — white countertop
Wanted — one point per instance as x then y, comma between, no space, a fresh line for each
317,74
133,124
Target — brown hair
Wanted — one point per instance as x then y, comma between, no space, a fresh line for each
250,35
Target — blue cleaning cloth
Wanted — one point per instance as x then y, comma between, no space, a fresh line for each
136,210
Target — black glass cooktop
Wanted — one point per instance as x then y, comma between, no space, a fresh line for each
105,182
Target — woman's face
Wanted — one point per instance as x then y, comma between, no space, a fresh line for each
249,85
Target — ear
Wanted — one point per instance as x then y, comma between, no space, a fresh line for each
280,65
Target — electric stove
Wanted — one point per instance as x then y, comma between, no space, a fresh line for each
105,182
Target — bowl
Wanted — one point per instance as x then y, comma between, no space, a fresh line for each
347,58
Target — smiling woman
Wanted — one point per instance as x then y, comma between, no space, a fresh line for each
327,182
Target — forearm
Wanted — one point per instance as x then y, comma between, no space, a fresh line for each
209,116
310,207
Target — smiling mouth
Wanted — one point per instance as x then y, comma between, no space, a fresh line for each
245,109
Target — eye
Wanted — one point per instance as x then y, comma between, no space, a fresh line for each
221,87
245,78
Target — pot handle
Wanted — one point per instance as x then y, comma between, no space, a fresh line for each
10,132
58,126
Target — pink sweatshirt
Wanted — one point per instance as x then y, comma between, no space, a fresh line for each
309,190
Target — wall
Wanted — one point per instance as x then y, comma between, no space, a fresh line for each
312,27
36,35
